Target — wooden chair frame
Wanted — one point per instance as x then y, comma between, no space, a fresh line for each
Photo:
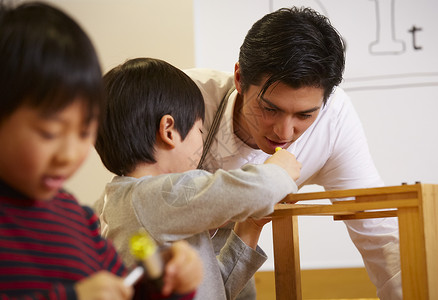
415,206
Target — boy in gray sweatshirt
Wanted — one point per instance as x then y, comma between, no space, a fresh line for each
151,139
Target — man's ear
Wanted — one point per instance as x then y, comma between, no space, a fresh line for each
237,78
167,131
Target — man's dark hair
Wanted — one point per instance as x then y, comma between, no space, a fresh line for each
139,93
297,46
46,61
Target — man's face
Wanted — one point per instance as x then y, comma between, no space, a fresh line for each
279,117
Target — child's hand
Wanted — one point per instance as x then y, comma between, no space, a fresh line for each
103,285
183,273
250,229
287,161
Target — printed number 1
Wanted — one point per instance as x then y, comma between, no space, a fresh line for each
385,40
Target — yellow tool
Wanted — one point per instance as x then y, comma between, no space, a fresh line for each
146,252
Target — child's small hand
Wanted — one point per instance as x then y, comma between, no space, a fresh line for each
103,285
183,273
287,161
249,230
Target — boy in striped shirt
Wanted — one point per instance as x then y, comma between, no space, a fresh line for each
51,97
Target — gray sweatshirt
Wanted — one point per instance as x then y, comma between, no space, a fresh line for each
186,205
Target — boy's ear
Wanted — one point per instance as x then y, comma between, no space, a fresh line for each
167,131
237,78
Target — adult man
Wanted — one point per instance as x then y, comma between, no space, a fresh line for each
286,95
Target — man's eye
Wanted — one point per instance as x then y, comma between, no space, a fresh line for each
269,109
304,116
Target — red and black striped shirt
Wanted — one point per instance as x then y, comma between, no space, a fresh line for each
47,246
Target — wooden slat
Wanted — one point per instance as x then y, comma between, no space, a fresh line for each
366,215
394,196
345,208
351,193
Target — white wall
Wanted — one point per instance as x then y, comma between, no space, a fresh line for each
393,86
395,94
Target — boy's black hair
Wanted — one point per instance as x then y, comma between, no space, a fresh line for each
295,46
139,93
46,61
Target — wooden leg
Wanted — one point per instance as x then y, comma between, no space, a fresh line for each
286,258
412,254
430,221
